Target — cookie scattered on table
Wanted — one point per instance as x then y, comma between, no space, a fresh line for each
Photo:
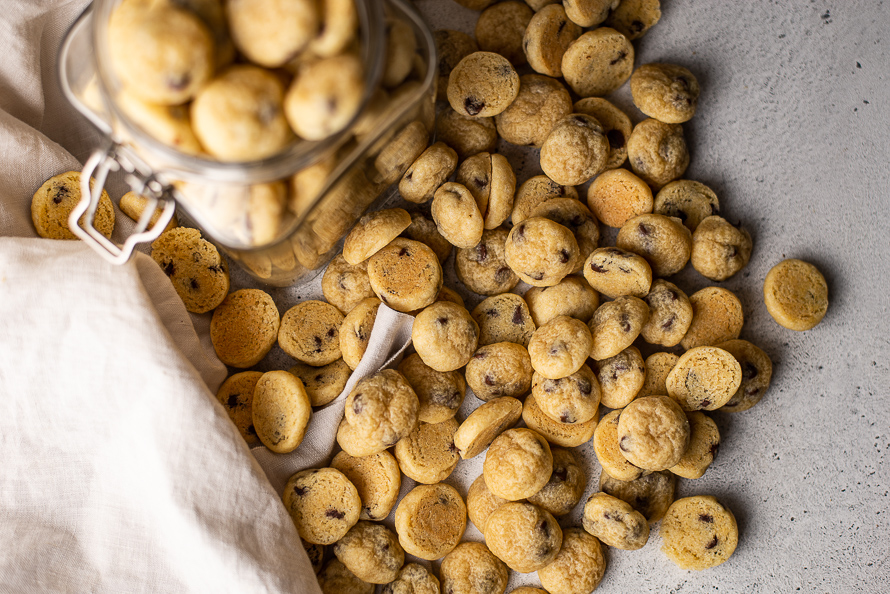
56,198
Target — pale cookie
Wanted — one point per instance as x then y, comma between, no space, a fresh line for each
431,169
547,37
615,522
575,217
336,579
467,135
472,569
542,101
339,22
566,485
716,317
428,455
373,232
588,13
503,188
457,215
310,332
536,191
430,520
651,494
371,552
504,318
501,27
617,195
541,252
280,411
271,32
621,377
398,154
445,336
315,552
482,85
481,502
440,393
657,152
704,378
355,331
322,384
475,174
236,396
704,441
194,266
666,92
795,294
244,327
413,579
482,268
518,463
616,324
376,478
575,150
423,229
571,399
653,433
663,241
598,62
757,371
698,533
325,96
484,424
523,536
579,567
322,503
670,314
719,249
690,201
567,435
380,410
560,347
500,369
405,275
133,205
634,17
572,296
616,126
658,367
451,47
605,446
401,46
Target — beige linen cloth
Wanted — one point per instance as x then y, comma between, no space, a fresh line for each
119,471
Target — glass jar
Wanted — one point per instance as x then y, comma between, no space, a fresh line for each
281,218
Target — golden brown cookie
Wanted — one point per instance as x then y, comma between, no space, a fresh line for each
322,384
542,101
704,378
376,478
322,503
440,393
484,424
522,535
430,520
373,232
445,336
719,249
355,331
757,371
518,464
500,369
698,533
567,435
605,446
405,275
716,317
657,152
579,566
428,455
664,241
653,433
795,294
617,195
198,272
616,126
310,332
280,411
244,327
236,396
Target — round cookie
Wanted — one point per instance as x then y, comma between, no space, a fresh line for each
670,314
310,332
598,62
653,433
475,174
423,229
615,272
541,252
716,317
795,294
373,232
560,347
571,399
542,101
572,296
698,533
757,371
270,41
616,126
615,325
615,522
244,327
322,503
575,150
617,195
280,411
371,552
503,188
405,275
704,441
523,536
720,250
536,191
621,377
657,152
133,205
484,424
322,384
501,27
482,85
690,201
567,435
575,217
413,579
658,367
336,579
398,154
431,169
580,565
547,36
194,266
355,331
428,455
504,318
651,494
666,92
482,268
500,369
634,17
605,446
236,396
588,13
451,47
345,285
430,520
376,479
440,393
380,410
467,135
339,22
471,568
325,96
566,485
481,502
401,46
445,336
704,378
457,215
663,241
518,464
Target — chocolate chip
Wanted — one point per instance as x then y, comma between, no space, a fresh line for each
518,317
597,268
519,235
669,323
564,256
562,25
178,83
581,120
706,518
624,320
473,106
560,473
681,81
319,377
409,175
622,444
621,55
712,544
298,490
480,355
334,513
544,527
169,269
705,403
194,284
215,268
332,332
584,386
731,251
567,417
482,253
607,516
480,183
442,321
358,404
488,380
452,448
749,372
535,275
267,113
503,274
616,139
644,230
61,194
636,27
233,400
715,447
492,313
318,343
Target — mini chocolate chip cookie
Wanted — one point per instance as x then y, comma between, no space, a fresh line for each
657,152
376,478
621,377
482,85
704,378
451,47
475,175
757,371
471,568
322,384
615,522
373,232
571,399
653,433
272,42
371,552
795,294
617,195
467,135
534,192
336,579
663,241
484,424
457,215
588,13
344,285
719,249
322,503
704,441
575,217
380,410
236,396
428,455
670,314
431,169
440,393
194,266
405,275
716,317
698,533
501,27
666,92
605,446
398,154
572,296
575,150
567,435
133,205
616,324
615,272
500,369
547,36
325,96
560,347
413,579
430,520
518,463
598,62
542,101
482,268
445,336
650,494
355,331
481,502
524,536
579,566
310,332
280,411
504,318
690,201
244,327
566,485
423,229
616,126
541,252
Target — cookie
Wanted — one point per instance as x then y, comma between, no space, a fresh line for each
355,331
398,154
322,503
504,318
194,266
523,536
280,411
467,135
471,568
795,294
376,479
428,455
542,101
373,232
757,371
457,215
670,314
666,92
265,212
657,152
401,45
588,13
322,384
445,336
572,296
536,191
431,520
651,494
567,435
575,150
423,229
244,327
616,324
501,27
575,217
440,393
653,433
503,188
431,169
571,399
616,126
336,579
690,201
339,22
481,502
482,85
698,533
566,485
371,552
482,268
598,62
548,34
615,522
580,565
716,317
405,275
663,241
269,41
518,463
634,17
413,579
620,377
719,249
560,347
133,205
541,252
484,424
605,446
236,396
617,195
500,369
380,410
704,378
325,97
658,367
475,174
451,47
315,552
704,441
310,332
